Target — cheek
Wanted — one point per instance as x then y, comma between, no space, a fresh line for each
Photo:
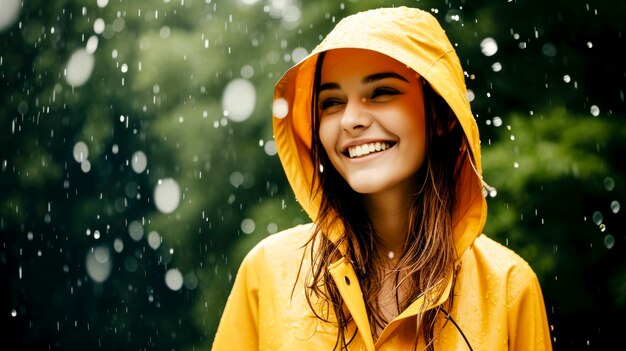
327,135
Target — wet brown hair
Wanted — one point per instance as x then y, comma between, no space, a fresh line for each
429,255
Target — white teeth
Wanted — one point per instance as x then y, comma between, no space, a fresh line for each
366,149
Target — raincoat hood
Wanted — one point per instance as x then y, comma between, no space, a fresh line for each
414,38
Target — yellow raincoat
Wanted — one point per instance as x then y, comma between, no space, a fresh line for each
498,302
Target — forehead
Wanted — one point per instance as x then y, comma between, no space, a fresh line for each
345,63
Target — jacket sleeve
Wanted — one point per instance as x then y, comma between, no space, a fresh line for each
528,323
238,328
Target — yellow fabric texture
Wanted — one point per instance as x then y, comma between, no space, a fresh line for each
498,303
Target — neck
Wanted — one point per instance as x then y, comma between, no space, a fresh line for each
389,215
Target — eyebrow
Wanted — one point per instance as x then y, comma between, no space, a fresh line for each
384,75
367,80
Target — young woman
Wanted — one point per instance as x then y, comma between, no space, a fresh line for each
383,153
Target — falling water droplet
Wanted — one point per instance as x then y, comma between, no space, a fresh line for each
167,195
609,241
597,217
488,46
174,279
615,206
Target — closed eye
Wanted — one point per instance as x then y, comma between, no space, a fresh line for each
382,92
329,102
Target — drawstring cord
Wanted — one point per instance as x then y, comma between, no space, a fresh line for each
449,317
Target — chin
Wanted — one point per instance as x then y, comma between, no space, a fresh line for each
369,186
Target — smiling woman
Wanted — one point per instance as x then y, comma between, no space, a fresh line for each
383,153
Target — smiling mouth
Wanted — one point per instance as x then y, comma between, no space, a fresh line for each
366,149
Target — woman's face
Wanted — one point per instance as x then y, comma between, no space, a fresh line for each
372,123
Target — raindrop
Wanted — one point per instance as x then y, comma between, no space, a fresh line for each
597,217
488,46
118,24
609,183
92,44
493,192
247,226
131,264
85,166
470,95
120,205
567,78
497,121
496,67
291,16
22,107
98,26
154,240
391,255
118,245
270,148
10,12
280,108
549,49
167,195
239,99
298,54
102,3
135,230
272,228
615,206
98,264
79,68
191,281
13,313
236,179
139,162
81,151
174,279
515,164
165,32
247,71
609,241
595,111
131,189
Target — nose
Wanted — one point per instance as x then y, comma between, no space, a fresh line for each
355,116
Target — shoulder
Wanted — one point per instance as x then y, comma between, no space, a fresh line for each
282,247
497,256
287,240
498,265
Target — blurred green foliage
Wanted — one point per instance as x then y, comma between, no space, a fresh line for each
550,105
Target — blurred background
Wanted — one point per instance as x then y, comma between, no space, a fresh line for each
138,167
